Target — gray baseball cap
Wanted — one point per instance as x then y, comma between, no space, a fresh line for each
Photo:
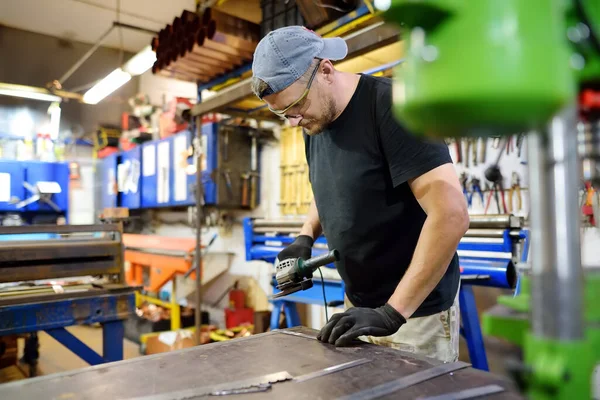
285,54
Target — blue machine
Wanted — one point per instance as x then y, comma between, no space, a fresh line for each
486,259
34,188
47,303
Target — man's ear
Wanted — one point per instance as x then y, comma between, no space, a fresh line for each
326,71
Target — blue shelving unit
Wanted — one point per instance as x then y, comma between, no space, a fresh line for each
14,175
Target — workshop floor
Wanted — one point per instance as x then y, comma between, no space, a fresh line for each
54,357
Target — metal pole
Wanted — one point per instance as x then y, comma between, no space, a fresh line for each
557,281
199,202
134,28
87,55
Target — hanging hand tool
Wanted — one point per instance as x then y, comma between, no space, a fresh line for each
474,150
497,191
482,149
245,190
226,145
509,145
227,178
465,146
295,274
493,174
475,188
596,209
496,143
463,181
515,187
520,139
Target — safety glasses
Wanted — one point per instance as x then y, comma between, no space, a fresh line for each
281,113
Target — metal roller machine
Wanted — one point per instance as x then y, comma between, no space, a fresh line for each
55,276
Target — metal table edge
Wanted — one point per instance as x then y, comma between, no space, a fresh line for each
121,362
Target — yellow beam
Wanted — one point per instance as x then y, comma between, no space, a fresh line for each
31,91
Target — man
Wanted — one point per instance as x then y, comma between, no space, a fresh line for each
389,202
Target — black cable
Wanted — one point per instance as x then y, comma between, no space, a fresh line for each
324,298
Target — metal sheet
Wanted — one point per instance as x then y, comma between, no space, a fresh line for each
21,252
238,359
113,289
13,230
388,388
205,390
89,266
331,370
468,393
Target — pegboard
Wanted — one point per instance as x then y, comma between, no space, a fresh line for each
509,163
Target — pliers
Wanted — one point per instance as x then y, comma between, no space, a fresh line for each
463,181
475,188
495,191
515,187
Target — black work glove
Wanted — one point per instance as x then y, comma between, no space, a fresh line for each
344,327
299,248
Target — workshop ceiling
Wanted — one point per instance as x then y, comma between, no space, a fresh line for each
86,20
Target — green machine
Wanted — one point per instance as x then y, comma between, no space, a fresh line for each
500,67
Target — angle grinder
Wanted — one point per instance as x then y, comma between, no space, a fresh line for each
295,274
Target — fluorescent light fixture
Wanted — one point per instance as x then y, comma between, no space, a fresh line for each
106,86
141,62
27,92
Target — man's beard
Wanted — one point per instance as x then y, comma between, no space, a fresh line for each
315,127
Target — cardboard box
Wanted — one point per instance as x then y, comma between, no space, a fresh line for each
169,341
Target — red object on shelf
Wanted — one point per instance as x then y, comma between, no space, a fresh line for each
590,99
126,144
107,151
237,317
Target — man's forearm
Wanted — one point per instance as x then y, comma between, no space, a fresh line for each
312,226
436,246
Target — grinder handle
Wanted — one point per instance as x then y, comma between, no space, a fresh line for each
315,262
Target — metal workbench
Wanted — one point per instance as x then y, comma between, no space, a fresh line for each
217,363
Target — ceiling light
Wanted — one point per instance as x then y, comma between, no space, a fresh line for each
106,86
27,92
141,62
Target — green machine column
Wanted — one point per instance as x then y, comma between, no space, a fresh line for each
500,67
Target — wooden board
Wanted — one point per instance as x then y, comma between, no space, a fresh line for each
249,357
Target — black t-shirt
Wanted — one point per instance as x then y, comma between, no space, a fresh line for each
359,167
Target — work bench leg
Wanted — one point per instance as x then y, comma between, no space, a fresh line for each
471,328
291,314
72,343
275,314
113,333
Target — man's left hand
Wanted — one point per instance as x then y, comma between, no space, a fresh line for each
344,327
